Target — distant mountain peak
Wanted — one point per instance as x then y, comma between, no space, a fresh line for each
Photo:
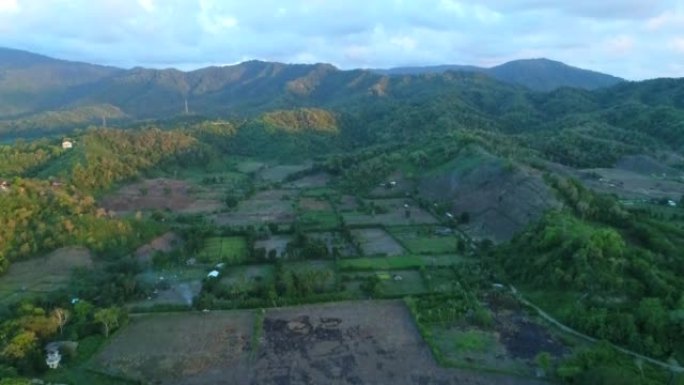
539,74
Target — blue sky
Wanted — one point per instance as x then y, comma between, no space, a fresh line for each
635,39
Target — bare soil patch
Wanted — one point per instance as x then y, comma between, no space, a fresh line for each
272,206
159,194
377,242
164,243
310,181
314,204
168,348
43,274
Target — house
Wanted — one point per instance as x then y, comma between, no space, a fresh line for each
213,274
671,203
67,144
53,356
4,185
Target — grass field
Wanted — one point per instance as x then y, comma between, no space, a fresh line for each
423,240
42,274
224,249
318,220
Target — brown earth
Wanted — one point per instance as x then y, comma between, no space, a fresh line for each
361,343
164,243
158,194
271,206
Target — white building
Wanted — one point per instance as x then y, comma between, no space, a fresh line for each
67,144
53,358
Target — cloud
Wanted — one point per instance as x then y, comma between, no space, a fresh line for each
9,6
622,37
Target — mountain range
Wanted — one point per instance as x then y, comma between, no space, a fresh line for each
40,92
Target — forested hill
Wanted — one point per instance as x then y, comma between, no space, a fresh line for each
40,93
536,74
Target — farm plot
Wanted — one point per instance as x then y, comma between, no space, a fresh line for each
160,194
175,286
318,220
388,212
352,343
224,249
336,243
164,244
274,242
369,342
247,277
42,274
377,242
394,283
179,348
321,272
511,343
278,173
320,179
424,239
272,206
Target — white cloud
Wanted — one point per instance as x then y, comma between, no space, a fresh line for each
9,6
630,38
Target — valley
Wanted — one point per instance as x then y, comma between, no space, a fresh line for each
351,235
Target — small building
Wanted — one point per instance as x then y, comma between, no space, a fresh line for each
53,356
213,274
671,203
67,144
450,215
4,185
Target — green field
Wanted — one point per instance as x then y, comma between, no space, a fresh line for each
318,220
423,240
231,250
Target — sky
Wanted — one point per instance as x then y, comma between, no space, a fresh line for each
634,39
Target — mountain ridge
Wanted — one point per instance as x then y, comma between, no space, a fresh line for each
539,74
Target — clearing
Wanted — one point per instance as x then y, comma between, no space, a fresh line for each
164,243
425,239
388,212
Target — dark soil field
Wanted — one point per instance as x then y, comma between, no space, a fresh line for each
359,343
274,242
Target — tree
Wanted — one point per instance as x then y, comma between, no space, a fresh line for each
109,318
61,316
20,346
